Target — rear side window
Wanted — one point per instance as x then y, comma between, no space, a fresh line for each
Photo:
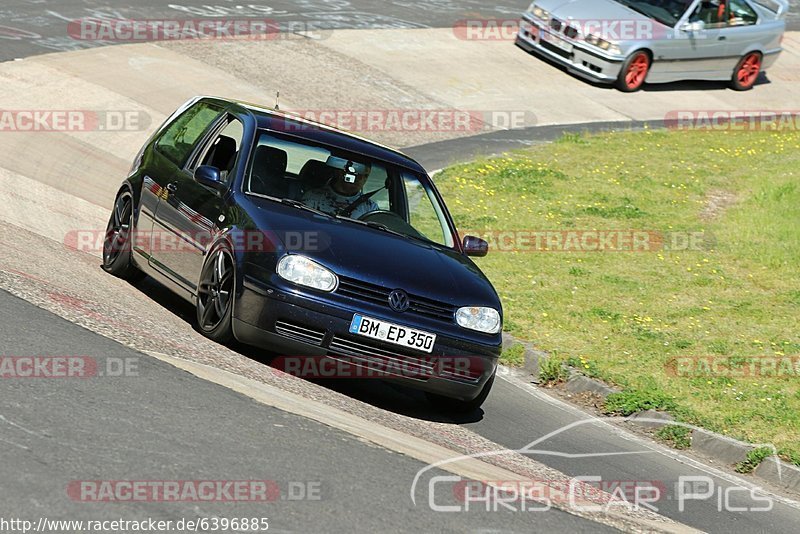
742,14
180,137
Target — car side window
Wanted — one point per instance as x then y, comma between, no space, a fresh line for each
742,14
712,13
223,150
180,138
423,215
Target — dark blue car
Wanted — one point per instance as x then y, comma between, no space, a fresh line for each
311,242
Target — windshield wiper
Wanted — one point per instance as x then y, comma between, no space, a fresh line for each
300,205
377,226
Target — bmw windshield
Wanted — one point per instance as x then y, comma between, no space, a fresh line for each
667,12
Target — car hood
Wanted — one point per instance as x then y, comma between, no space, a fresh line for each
590,10
376,256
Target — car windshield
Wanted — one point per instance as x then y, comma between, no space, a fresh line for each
667,12
348,186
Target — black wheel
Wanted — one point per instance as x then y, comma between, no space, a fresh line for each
634,72
117,245
455,406
215,295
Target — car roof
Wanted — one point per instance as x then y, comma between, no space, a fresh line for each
317,132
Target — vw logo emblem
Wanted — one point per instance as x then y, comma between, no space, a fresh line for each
398,300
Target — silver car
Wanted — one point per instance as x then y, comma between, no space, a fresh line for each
630,42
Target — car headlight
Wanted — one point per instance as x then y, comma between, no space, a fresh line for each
538,12
305,272
485,320
608,46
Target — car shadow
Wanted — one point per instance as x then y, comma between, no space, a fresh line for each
381,394
699,85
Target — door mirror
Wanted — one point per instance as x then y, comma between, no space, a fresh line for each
694,27
208,176
475,246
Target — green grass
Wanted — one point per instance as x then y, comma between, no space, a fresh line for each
677,436
754,457
513,356
552,370
626,317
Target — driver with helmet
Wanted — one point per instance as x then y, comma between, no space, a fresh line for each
342,191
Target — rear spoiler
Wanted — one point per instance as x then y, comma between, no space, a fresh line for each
779,7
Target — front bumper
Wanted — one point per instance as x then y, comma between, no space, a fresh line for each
577,57
295,326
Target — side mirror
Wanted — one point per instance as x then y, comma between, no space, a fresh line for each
208,176
694,27
475,246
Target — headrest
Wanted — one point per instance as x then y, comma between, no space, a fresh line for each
315,174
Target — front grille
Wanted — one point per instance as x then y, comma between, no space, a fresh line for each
556,25
571,32
300,333
366,292
467,369
385,361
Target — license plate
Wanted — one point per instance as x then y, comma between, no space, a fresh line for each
392,333
557,41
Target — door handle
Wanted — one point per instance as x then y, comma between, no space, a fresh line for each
721,38
172,187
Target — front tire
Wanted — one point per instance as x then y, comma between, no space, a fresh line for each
634,72
459,407
118,243
215,295
746,72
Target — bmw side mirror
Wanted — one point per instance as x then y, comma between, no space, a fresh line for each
475,246
693,27
208,176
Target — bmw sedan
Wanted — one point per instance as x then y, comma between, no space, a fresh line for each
311,242
630,42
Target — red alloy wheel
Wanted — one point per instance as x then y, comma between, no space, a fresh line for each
747,72
634,72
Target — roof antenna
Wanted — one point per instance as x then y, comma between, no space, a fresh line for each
277,101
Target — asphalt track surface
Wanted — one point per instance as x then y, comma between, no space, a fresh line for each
30,27
171,422
167,425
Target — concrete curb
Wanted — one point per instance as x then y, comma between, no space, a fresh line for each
578,383
780,473
723,449
531,355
